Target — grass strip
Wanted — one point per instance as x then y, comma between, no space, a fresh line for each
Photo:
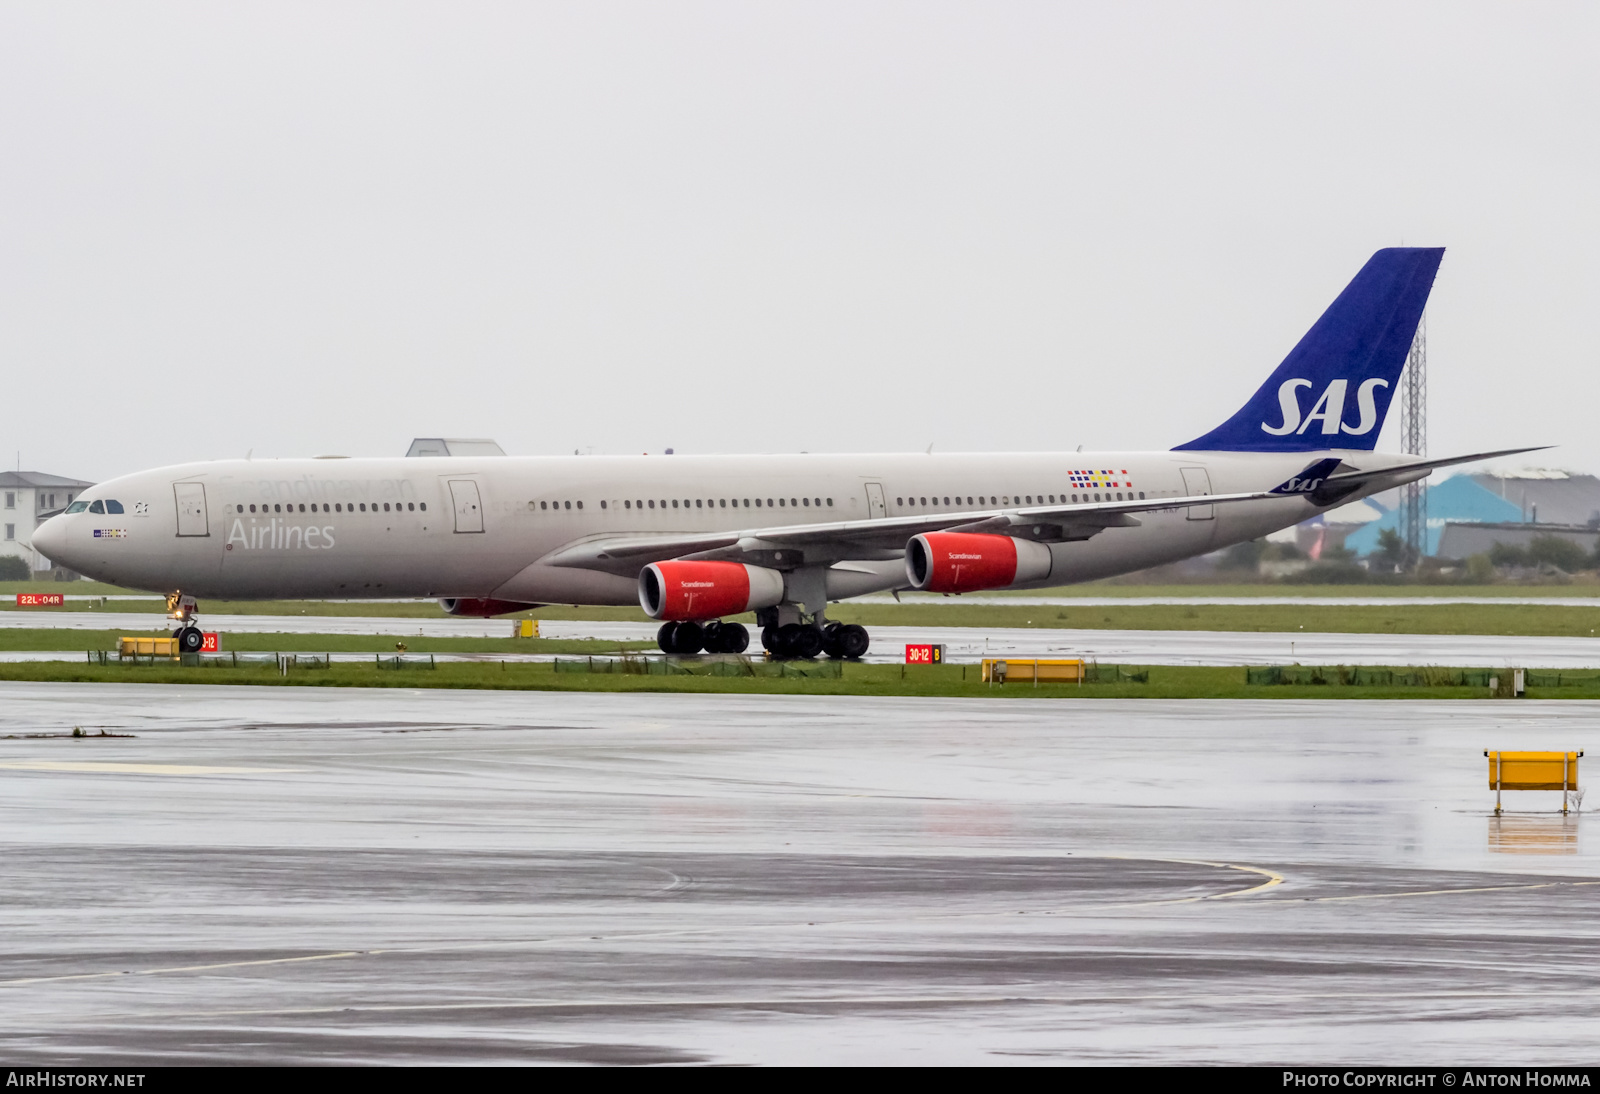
950,681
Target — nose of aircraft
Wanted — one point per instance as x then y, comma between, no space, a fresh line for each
50,539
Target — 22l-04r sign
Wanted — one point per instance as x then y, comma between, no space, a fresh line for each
40,600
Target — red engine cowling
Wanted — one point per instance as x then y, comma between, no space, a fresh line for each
965,562
706,590
482,606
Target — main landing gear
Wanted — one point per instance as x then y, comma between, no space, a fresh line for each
713,637
791,640
806,640
188,636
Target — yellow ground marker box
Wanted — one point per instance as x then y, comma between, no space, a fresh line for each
1013,671
1533,771
147,647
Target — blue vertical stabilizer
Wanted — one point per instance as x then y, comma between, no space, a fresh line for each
1333,389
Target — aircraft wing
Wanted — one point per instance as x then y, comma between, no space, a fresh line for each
838,540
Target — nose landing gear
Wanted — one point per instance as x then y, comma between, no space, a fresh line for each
182,608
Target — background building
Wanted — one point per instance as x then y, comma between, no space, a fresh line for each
1469,513
27,498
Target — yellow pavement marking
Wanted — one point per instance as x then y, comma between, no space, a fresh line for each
98,767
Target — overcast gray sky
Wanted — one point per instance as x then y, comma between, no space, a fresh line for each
723,227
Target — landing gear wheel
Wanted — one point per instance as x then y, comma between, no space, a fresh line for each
190,639
830,640
711,636
664,637
853,641
735,638
799,640
686,639
769,640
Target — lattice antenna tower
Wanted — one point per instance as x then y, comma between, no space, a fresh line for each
1414,440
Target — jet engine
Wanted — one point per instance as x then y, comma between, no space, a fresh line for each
965,562
706,590
481,606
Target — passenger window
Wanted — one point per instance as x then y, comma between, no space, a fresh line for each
724,503
947,501
569,505
602,503
899,501
780,501
385,507
77,507
1141,495
1074,499
580,505
747,502
830,503
652,503
791,501
423,506
411,507
924,501
626,504
363,507
805,502
674,503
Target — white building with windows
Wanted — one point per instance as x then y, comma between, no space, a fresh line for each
27,498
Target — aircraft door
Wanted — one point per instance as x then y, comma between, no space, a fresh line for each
1197,481
192,517
875,503
469,507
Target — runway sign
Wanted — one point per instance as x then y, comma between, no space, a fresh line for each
924,654
40,600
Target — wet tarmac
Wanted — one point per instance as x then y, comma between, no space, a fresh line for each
351,875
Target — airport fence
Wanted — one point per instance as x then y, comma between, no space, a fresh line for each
394,662
719,666
1355,676
1096,673
230,660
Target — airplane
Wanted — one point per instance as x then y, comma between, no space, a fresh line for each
695,540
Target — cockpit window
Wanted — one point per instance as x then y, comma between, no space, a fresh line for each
77,507
96,507
113,506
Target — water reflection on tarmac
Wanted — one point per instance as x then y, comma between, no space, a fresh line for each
321,874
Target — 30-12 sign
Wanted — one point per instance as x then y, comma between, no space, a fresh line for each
924,654
40,600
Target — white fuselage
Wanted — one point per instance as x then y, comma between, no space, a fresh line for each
480,527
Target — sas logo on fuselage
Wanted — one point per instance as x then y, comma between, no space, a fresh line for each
110,533
1328,409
